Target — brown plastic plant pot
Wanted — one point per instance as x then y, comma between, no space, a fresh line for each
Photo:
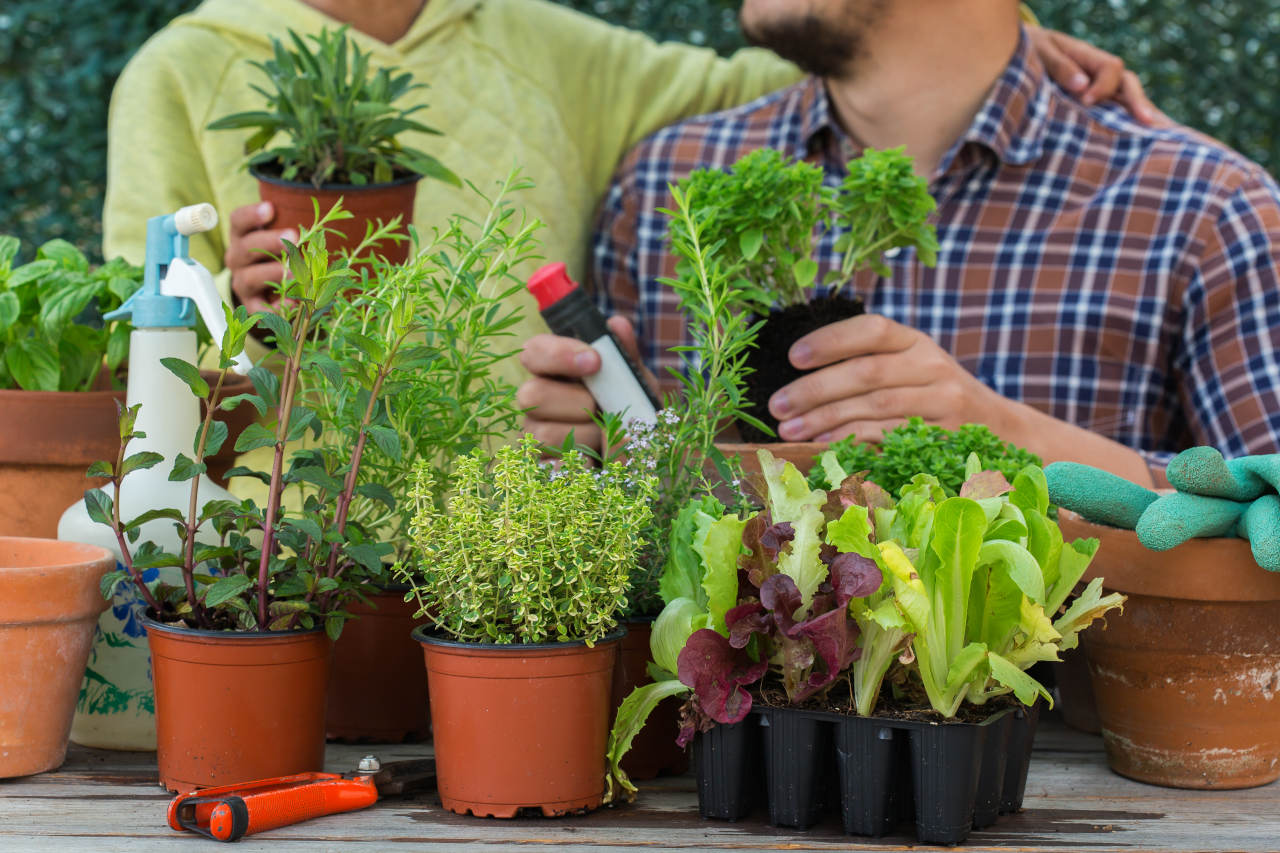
1187,678
49,605
237,706
653,751
48,439
519,726
378,687
367,203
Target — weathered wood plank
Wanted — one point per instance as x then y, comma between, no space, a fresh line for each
108,801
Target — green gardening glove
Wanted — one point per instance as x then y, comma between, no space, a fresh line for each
1098,495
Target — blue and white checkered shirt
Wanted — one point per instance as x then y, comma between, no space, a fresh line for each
1117,277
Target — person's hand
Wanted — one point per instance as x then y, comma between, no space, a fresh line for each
254,270
1093,75
557,401
870,374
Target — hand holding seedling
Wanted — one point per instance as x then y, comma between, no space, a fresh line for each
870,374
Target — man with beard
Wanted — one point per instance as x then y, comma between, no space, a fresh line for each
1104,293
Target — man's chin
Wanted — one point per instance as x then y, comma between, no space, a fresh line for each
820,47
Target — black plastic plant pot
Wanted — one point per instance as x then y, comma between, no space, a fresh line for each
726,760
991,777
946,760
871,756
797,766
1022,734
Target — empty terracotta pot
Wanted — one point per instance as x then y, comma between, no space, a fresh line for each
49,605
294,208
48,439
1187,678
237,706
799,453
519,726
378,687
654,751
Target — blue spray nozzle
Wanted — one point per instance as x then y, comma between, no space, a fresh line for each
167,243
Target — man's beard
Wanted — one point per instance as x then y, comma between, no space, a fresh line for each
820,47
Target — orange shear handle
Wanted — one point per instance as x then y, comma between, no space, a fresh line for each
231,812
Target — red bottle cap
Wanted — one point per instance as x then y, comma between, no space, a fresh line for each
550,284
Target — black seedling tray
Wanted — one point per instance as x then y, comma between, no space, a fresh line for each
949,778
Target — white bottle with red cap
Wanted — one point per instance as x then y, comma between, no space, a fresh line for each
617,387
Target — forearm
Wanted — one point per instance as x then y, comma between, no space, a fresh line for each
1058,441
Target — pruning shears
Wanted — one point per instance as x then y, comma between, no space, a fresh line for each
231,812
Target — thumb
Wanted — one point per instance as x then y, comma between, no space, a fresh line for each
625,334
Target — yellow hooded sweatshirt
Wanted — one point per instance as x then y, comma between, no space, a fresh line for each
523,82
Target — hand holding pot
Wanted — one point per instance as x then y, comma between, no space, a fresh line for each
249,257
869,375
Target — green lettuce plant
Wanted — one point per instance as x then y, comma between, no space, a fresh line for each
52,335
523,551
339,121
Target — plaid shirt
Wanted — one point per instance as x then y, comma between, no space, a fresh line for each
1119,278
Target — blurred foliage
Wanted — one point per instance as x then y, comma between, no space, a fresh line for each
1207,63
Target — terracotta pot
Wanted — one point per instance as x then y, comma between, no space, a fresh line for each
235,707
293,206
1187,679
378,688
237,421
49,604
519,726
654,751
799,453
48,439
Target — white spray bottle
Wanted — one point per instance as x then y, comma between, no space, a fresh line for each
116,707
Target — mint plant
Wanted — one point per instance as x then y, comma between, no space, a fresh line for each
273,567
523,551
52,335
339,121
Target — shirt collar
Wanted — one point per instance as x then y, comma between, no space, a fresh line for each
1011,122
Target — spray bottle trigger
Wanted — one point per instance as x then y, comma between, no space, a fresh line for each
190,280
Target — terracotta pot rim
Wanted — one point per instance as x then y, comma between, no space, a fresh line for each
726,447
426,639
95,553
232,636
257,172
51,396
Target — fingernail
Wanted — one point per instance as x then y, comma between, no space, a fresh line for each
800,354
290,235
264,211
824,438
780,403
791,429
1078,81
585,361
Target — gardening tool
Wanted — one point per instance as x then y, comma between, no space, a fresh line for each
1215,497
115,707
231,812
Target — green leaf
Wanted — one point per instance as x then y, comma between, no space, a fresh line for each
254,436
10,308
279,329
333,626
377,492
266,384
387,440
101,468
33,364
365,555
1024,686
805,271
189,374
107,583
231,403
632,715
99,506
141,461
184,468
213,442
749,242
226,588
169,513
719,551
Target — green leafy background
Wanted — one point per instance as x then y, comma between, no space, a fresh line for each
1211,64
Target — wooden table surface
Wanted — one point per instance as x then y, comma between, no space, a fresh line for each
103,802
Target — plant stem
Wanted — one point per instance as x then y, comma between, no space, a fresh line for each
193,508
125,553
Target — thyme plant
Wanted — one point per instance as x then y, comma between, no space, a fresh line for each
523,551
